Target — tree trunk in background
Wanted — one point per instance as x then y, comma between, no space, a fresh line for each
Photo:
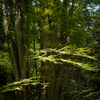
43,45
28,92
64,22
41,23
53,20
28,38
34,42
66,26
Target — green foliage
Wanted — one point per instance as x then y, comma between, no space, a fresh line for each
70,52
18,85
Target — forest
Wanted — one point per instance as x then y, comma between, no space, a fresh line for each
49,49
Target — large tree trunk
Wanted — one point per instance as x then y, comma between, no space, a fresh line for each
21,48
11,46
17,52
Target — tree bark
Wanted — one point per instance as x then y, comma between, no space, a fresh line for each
11,45
13,50
21,48
17,52
64,22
